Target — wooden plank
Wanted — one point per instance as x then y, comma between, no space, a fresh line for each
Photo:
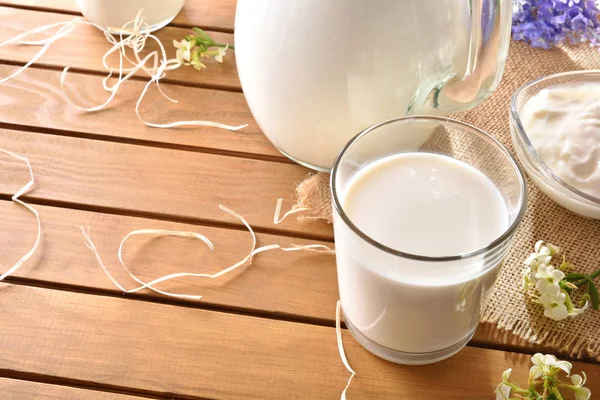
13,389
209,14
293,284
34,99
85,47
185,351
169,183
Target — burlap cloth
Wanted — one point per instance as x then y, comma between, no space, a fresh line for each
509,307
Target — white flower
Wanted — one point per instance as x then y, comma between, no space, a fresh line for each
573,312
544,363
543,255
184,49
581,393
554,250
538,245
221,53
503,390
548,280
554,306
538,365
546,248
532,262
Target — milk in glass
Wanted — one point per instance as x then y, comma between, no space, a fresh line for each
428,205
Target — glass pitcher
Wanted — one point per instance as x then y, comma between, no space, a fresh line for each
113,14
315,73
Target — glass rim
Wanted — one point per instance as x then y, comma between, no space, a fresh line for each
539,162
499,240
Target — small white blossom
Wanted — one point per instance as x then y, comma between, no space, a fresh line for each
573,312
503,390
542,256
554,306
184,50
546,248
548,280
545,373
581,393
543,363
221,53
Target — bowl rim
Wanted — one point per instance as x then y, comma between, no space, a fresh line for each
500,240
524,138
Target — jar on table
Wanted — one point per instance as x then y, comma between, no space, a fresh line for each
113,14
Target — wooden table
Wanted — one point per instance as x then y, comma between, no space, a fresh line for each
265,331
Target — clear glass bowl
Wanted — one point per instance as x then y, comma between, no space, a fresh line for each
558,190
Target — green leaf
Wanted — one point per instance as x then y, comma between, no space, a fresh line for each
203,35
200,32
574,276
594,294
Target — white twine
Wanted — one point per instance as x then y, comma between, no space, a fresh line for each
340,343
65,29
150,285
136,40
295,209
319,248
15,198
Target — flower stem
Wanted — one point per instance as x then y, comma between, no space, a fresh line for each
591,276
223,45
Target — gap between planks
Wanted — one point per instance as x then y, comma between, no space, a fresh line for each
158,183
169,301
125,393
140,78
165,217
480,340
41,86
146,143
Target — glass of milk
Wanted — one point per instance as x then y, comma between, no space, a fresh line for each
113,14
425,209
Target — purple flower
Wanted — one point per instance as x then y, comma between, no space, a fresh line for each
547,23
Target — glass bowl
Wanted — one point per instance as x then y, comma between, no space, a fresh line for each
557,189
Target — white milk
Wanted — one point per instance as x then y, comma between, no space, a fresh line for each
116,13
315,73
424,204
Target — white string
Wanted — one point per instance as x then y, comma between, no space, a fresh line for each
15,198
136,40
295,209
319,248
150,285
65,29
162,233
340,343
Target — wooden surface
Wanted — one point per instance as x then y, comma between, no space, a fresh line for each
264,331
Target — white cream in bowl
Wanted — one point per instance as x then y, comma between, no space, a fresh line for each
563,124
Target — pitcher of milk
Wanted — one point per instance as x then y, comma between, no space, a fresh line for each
315,72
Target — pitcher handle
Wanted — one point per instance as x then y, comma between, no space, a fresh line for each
491,22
